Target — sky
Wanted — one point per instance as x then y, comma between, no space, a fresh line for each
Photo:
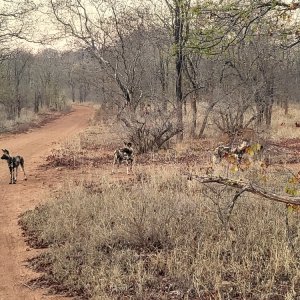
41,26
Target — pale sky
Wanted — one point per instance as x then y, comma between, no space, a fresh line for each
42,26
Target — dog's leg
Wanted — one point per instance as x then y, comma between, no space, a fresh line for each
23,168
131,166
16,175
113,165
118,164
11,175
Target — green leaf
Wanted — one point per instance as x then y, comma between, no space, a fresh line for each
291,190
234,169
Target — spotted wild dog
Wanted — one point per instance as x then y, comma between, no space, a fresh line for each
13,164
125,155
222,152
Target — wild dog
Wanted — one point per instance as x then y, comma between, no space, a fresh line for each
124,154
240,150
236,153
13,164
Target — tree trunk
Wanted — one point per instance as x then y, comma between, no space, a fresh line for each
270,101
286,105
81,96
205,119
259,108
179,113
194,116
73,92
37,102
19,107
178,37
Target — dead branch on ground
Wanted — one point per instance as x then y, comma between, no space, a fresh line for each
246,187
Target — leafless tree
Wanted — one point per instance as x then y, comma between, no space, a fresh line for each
15,23
48,80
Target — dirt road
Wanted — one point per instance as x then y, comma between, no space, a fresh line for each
15,199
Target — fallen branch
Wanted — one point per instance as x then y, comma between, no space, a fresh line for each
246,187
28,286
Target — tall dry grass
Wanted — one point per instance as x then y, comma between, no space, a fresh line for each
283,125
161,237
28,119
156,235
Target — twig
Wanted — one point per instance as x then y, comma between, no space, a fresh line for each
28,286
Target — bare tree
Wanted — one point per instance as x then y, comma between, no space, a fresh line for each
180,14
107,32
48,80
20,61
15,22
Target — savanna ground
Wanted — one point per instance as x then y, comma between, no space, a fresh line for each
34,145
154,234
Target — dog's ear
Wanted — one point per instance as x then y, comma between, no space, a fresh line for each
5,151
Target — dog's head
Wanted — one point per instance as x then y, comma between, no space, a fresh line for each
5,154
127,150
245,144
222,151
128,145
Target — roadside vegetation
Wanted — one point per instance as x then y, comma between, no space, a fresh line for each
157,235
176,78
159,238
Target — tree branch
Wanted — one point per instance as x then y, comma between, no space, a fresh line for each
245,187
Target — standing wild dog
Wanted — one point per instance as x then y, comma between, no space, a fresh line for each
124,154
225,151
13,164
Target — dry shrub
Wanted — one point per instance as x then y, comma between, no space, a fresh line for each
162,238
27,120
151,131
70,154
100,137
84,149
101,115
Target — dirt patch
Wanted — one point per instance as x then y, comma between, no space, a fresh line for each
16,199
47,169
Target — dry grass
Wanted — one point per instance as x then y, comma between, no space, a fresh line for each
160,237
155,235
28,119
283,126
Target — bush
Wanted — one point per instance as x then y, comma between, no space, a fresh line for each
160,238
150,132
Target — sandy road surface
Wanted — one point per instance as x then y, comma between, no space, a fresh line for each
15,199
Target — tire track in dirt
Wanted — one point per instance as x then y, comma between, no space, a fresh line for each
16,199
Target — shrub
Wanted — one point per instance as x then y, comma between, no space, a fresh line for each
161,238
